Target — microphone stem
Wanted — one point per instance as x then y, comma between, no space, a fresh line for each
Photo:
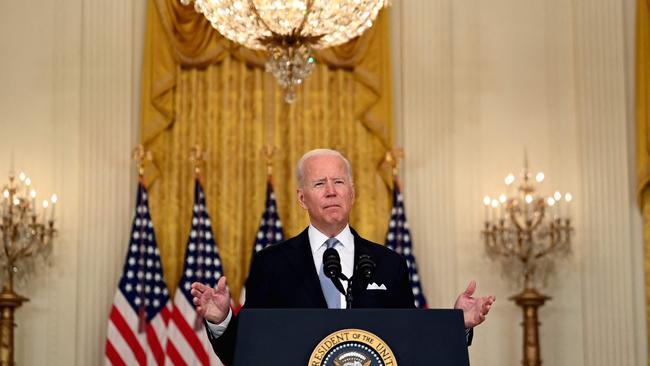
348,295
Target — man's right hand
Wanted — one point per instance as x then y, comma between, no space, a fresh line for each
213,304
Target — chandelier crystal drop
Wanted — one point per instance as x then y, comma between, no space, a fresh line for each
289,30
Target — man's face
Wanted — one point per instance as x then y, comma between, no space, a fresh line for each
326,193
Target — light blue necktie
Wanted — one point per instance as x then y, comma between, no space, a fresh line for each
332,295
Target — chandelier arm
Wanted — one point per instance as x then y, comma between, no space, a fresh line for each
491,241
503,249
307,12
24,253
524,255
509,252
550,249
546,252
5,247
487,235
253,9
536,223
500,246
515,221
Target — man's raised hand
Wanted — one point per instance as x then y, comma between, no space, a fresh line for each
213,304
474,309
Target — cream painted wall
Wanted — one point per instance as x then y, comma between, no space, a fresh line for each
69,96
476,84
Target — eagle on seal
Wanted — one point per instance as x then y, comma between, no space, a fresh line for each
355,363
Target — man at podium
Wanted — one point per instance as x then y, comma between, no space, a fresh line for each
292,274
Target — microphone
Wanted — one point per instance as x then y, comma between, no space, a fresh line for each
331,263
332,268
365,267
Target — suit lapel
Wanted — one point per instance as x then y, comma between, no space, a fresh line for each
303,264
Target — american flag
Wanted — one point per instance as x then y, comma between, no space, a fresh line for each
137,324
399,240
270,230
188,342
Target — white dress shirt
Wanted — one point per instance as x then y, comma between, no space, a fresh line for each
317,244
345,249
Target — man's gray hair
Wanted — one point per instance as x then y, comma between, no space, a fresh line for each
300,167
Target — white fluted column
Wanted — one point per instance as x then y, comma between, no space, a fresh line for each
425,92
110,62
609,293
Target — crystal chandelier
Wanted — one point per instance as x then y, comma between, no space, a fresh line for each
528,233
289,30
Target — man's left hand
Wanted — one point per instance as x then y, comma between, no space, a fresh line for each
474,309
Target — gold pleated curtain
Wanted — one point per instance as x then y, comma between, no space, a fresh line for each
643,134
200,89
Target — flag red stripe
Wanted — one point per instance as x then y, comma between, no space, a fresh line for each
155,346
190,336
128,335
113,356
165,314
174,356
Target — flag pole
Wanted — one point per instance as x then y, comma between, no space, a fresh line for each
141,308
141,157
398,236
197,157
268,152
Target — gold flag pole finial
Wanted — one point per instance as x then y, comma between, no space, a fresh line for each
393,156
268,151
197,157
142,157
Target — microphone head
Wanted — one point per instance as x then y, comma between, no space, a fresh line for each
331,263
365,267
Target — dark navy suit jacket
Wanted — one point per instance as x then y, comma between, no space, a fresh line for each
284,276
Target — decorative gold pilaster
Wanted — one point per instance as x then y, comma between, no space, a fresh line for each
530,300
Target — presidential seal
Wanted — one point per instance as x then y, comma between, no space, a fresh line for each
352,347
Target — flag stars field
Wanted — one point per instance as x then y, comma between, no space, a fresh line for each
269,231
398,238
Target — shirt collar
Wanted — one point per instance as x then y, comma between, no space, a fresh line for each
317,239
